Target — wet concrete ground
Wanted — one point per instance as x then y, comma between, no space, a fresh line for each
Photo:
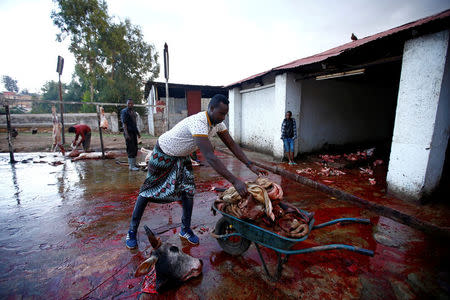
434,213
62,231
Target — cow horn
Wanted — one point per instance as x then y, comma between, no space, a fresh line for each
156,242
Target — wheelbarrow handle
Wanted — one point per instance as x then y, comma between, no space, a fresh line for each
326,248
344,220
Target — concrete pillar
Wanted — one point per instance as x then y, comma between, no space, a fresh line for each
421,128
235,113
151,100
279,112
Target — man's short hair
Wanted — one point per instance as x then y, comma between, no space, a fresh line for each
71,129
289,112
129,99
217,99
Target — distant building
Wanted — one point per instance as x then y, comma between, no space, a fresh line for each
25,105
184,100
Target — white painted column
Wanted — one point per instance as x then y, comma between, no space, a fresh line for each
278,113
150,110
235,113
421,128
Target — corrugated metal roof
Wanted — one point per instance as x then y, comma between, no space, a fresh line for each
178,90
345,47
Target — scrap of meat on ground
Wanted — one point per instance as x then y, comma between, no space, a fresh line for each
264,208
173,267
80,155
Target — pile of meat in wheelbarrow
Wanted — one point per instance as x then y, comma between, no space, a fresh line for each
263,207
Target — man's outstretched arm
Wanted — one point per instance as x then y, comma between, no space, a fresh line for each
207,150
237,151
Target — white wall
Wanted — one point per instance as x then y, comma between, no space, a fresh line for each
258,121
422,119
343,111
235,114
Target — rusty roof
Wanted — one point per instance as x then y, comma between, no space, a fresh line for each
178,90
348,46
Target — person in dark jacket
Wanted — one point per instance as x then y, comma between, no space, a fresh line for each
288,135
131,133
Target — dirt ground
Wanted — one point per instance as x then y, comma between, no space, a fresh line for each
27,142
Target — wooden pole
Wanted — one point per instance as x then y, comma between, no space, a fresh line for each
166,75
100,131
8,126
150,120
167,105
61,108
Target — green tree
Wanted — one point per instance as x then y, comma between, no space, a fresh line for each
10,83
74,93
50,91
131,61
113,60
84,21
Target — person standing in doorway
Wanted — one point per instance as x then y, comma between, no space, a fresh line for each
131,133
288,135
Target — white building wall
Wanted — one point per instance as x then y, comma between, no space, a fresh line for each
235,114
421,129
256,114
258,119
339,112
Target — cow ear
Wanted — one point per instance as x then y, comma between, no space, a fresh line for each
146,266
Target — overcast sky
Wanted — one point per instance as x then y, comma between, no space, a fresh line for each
211,42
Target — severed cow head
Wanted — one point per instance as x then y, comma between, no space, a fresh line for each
171,264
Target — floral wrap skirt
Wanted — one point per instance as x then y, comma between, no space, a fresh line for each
168,177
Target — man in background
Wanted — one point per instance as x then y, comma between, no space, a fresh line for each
288,135
131,133
84,132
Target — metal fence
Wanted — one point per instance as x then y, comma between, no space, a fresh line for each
7,102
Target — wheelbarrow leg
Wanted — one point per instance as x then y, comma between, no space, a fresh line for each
281,262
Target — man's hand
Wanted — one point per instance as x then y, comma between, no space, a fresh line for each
258,171
241,188
127,137
139,135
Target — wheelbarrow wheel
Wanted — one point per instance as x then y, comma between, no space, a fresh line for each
234,245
